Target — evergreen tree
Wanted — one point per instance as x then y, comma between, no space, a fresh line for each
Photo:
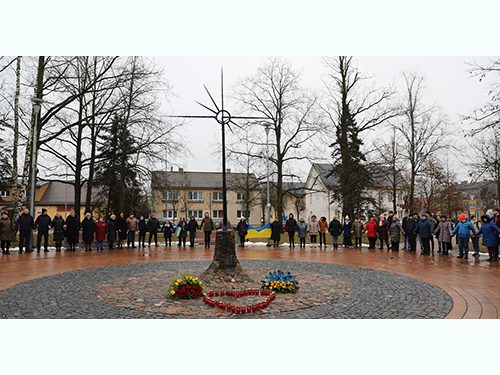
116,177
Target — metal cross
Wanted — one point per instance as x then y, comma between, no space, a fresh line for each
223,117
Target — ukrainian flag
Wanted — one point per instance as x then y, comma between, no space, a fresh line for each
178,230
263,232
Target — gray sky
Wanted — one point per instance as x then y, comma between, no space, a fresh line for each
448,83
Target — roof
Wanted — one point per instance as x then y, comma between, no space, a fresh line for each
58,193
325,170
202,180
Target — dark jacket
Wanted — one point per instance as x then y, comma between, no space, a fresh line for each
276,230
143,227
490,232
357,229
73,229
25,222
242,228
111,230
192,225
43,222
347,229
411,224
404,223
5,229
335,228
425,228
207,224
395,230
121,227
302,229
168,229
88,228
291,226
58,225
183,225
383,230
153,225
443,231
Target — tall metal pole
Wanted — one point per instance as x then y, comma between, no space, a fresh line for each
66,198
267,165
36,109
222,122
166,188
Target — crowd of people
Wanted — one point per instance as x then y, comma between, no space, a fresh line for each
118,230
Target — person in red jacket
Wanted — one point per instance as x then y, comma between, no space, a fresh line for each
100,234
371,228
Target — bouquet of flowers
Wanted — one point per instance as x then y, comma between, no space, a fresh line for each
280,282
185,287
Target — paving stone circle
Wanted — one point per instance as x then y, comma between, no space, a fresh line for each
134,291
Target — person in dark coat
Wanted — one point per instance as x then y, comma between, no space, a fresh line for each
5,232
302,232
496,219
72,227
443,233
43,224
168,229
335,229
410,231
153,227
290,228
276,230
58,225
425,229
395,230
88,229
100,233
111,228
242,229
183,233
383,232
207,225
404,224
122,228
491,233
25,224
347,232
192,227
143,229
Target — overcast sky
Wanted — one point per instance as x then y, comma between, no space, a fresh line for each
448,85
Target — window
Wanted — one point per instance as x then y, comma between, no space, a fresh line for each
195,196
173,195
217,196
240,196
5,193
245,214
217,214
389,197
400,197
198,214
170,214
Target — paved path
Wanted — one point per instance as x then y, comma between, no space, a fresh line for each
473,285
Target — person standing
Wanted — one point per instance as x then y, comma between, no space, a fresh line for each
100,233
496,220
434,225
371,228
168,229
183,233
43,224
323,227
390,217
383,232
335,229
475,239
410,231
347,232
131,229
443,234
242,229
5,232
72,228
121,226
207,225
192,227
357,230
111,229
143,229
463,228
302,232
276,230
491,233
313,227
25,224
395,230
404,224
88,230
153,227
290,228
425,229
58,225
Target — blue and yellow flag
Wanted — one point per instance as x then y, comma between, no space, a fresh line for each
178,230
263,232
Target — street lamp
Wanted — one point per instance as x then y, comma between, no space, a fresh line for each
37,106
267,127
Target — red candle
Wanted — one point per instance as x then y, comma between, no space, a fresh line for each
238,310
233,309
216,293
222,293
249,309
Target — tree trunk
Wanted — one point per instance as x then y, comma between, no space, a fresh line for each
16,201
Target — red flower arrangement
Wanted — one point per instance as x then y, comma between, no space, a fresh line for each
207,298
186,287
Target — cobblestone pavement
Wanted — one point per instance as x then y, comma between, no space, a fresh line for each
357,293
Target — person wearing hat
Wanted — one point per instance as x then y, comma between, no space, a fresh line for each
371,232
335,229
323,226
443,234
276,230
395,231
43,224
410,231
302,232
88,230
491,233
425,229
121,226
357,230
347,232
5,232
313,229
153,227
463,229
143,229
475,239
290,228
383,232
25,224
